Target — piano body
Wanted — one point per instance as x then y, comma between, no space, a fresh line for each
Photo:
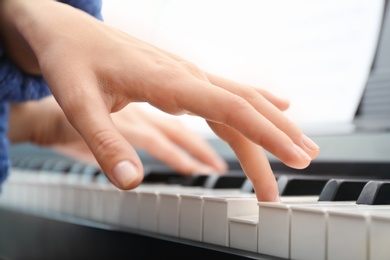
337,208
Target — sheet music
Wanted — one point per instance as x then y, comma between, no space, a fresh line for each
317,54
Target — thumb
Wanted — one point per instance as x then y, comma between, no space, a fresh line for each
117,158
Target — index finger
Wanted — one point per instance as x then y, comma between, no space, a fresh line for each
88,113
264,102
253,161
222,106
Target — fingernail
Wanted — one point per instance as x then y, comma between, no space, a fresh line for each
301,153
309,143
124,173
277,198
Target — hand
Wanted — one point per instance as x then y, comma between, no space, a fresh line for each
43,123
94,70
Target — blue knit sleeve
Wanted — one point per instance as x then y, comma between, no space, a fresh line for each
17,86
93,7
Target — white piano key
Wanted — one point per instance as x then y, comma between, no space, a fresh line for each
191,217
216,213
19,192
44,179
341,243
20,196
148,206
43,191
273,229
96,198
274,225
5,193
112,202
33,191
348,232
54,192
243,232
68,198
298,199
130,201
129,209
170,204
80,200
379,235
168,218
191,211
96,209
309,225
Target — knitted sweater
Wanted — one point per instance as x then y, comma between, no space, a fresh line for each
17,86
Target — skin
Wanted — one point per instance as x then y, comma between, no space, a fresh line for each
93,70
43,122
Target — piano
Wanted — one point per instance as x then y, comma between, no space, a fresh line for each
52,207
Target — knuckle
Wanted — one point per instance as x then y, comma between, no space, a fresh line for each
193,69
166,71
265,138
238,106
105,144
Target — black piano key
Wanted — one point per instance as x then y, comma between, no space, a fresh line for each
21,163
15,160
170,176
375,193
35,163
52,164
162,175
88,171
247,186
62,166
342,190
300,185
91,170
84,168
77,167
230,180
195,180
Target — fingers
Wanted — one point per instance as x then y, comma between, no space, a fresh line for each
190,142
254,113
159,146
222,106
91,119
267,104
167,140
253,161
281,104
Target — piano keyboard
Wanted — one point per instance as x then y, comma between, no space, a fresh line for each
213,210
